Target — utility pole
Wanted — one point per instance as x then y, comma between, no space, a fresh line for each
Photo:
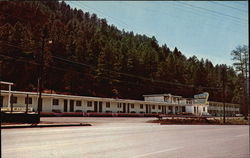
1,98
224,95
40,78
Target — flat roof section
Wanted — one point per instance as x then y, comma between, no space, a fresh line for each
95,98
8,83
156,95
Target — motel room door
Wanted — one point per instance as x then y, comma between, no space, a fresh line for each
124,107
164,109
146,108
71,105
95,106
65,105
170,109
100,106
183,109
41,108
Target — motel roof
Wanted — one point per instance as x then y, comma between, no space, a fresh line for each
157,95
47,95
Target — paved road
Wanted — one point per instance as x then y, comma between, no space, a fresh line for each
126,138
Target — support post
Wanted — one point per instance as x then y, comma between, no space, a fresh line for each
224,95
27,103
1,70
9,95
11,103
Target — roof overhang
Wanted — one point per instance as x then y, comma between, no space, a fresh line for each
7,83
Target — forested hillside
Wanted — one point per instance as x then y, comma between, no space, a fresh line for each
84,55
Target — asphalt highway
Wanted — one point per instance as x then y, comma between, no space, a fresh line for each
126,138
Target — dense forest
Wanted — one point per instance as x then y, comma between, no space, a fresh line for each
81,54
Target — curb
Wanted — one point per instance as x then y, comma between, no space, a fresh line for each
40,126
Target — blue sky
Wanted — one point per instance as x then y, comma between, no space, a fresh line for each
209,30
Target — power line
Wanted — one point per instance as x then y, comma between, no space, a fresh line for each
241,4
237,19
227,6
20,47
186,9
103,77
120,73
189,9
135,76
54,67
182,7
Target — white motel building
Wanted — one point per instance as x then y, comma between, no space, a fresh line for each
156,103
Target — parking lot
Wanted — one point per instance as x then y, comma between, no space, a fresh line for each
126,138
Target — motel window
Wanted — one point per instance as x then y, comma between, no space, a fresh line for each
153,106
28,100
89,104
132,106
78,103
204,109
141,106
159,107
55,102
13,100
107,104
